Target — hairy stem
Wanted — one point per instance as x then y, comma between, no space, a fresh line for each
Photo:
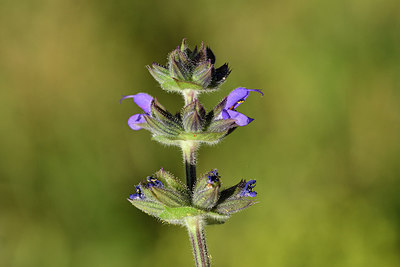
189,149
198,240
189,96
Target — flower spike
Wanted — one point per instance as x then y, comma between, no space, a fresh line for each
202,200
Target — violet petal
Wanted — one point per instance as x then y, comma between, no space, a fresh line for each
240,119
134,120
252,194
238,96
248,189
143,100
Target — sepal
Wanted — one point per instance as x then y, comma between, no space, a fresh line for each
159,128
167,197
171,180
171,123
159,73
234,205
145,203
150,207
219,108
221,125
193,117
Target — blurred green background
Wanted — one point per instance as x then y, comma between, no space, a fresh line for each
324,148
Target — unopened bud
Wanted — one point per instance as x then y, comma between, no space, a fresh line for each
206,190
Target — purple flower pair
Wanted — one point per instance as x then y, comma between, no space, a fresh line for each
144,101
233,101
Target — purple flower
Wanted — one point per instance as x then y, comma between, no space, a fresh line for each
137,195
154,182
234,99
144,101
213,177
247,191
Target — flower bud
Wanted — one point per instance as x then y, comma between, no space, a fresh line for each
178,65
235,199
206,191
147,205
167,196
202,74
173,182
190,70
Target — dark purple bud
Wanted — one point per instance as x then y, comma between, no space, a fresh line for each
137,195
219,75
248,189
213,177
154,182
199,55
210,55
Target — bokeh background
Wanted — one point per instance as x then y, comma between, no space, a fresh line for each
324,146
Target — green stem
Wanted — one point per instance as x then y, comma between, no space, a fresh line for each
189,149
198,240
189,96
